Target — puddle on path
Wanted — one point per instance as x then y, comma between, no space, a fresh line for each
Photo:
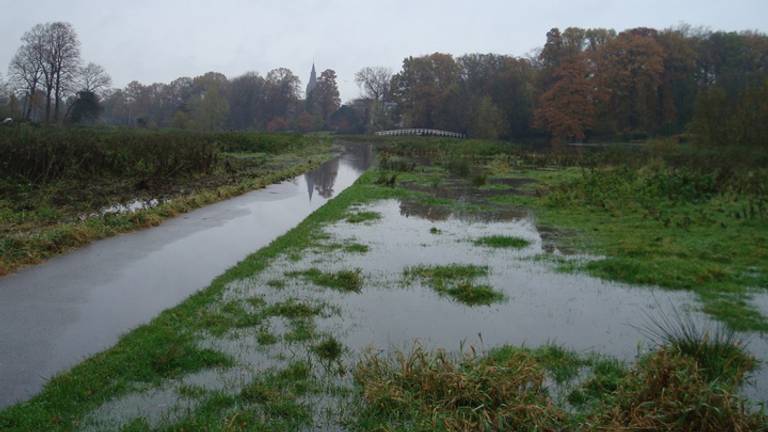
540,305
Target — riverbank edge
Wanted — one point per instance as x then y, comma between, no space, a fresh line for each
66,237
135,358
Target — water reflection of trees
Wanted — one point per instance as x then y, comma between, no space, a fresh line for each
359,156
322,179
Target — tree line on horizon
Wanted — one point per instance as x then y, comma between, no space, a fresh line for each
582,84
597,83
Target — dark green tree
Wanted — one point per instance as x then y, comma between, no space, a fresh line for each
86,108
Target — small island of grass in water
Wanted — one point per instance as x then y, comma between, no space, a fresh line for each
456,281
501,241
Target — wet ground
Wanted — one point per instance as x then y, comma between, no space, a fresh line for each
539,306
55,314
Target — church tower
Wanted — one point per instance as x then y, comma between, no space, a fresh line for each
312,81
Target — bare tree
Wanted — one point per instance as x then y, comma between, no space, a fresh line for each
26,69
63,60
38,42
374,81
94,79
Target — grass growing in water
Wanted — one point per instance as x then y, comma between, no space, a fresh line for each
343,280
446,272
364,216
684,217
500,241
506,390
669,391
457,282
427,391
329,349
718,352
68,399
276,283
293,308
356,248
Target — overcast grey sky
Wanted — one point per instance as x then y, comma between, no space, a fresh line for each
160,40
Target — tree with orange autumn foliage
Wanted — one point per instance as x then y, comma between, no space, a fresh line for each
567,109
629,74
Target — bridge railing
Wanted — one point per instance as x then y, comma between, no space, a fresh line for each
420,132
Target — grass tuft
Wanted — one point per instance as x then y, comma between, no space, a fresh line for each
366,216
428,391
500,241
329,349
718,352
456,281
293,308
343,280
669,391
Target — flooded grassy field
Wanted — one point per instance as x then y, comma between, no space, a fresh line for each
421,298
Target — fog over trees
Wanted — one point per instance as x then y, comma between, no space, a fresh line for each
583,84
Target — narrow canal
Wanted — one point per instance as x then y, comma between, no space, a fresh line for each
54,315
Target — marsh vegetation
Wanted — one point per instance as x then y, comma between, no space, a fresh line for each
432,301
62,188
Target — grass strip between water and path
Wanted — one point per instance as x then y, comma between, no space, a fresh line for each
164,347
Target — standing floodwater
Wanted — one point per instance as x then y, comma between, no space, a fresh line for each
55,314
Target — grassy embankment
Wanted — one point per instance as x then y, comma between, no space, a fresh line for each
689,383
63,188
661,214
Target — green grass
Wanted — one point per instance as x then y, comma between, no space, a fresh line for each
717,351
678,217
356,248
40,219
329,349
507,389
456,281
721,265
500,241
276,283
68,397
471,294
424,391
365,216
431,391
343,280
293,308
446,272
271,402
562,365
233,314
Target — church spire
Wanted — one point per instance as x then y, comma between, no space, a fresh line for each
312,80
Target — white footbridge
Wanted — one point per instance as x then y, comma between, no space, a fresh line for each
421,132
